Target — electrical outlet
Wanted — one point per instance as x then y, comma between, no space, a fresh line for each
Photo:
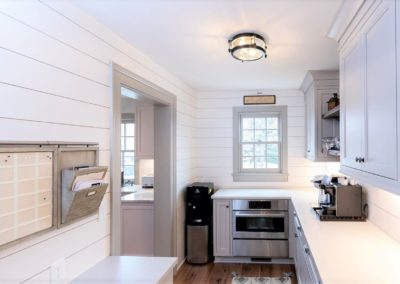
57,272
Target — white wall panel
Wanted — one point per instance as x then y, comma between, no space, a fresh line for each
29,73
383,210
214,138
239,94
82,260
55,80
33,105
40,256
29,130
41,47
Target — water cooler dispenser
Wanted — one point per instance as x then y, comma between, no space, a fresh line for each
199,223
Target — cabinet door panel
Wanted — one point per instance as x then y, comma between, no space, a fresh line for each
137,233
222,228
303,275
352,112
310,126
144,132
381,134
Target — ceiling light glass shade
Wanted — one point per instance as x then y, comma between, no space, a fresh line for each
247,47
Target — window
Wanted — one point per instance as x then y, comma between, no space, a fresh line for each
128,151
260,143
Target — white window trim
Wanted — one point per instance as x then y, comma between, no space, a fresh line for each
257,175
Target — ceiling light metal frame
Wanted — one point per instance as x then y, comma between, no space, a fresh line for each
253,45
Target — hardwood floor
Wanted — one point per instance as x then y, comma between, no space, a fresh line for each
221,273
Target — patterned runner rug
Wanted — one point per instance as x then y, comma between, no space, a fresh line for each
261,280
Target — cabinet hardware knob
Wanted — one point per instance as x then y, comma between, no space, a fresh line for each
296,235
227,206
307,250
357,159
308,151
361,160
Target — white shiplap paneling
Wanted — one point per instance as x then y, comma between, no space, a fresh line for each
55,79
214,138
384,210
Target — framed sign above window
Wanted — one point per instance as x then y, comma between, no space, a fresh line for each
259,100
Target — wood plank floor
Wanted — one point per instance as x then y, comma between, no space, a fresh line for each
221,273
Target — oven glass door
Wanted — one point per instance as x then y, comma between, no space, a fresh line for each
260,224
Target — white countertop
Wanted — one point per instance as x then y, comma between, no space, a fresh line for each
127,269
344,252
136,193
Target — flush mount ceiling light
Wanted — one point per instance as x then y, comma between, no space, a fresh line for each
247,47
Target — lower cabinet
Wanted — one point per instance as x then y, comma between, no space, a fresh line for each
137,228
306,270
222,228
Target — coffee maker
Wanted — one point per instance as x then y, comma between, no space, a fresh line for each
339,202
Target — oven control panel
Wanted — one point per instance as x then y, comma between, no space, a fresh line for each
260,204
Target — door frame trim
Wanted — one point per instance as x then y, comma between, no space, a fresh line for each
165,236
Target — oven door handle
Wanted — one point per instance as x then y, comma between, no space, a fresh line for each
269,215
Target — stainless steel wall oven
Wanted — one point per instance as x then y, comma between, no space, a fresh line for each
260,228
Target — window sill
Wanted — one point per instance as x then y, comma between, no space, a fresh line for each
270,177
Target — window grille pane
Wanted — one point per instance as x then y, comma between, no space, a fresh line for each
129,172
272,162
247,136
130,129
122,143
129,158
272,135
260,150
261,162
260,123
272,123
260,135
248,150
247,123
122,130
272,150
130,143
248,162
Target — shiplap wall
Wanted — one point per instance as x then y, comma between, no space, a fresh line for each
214,139
55,86
383,209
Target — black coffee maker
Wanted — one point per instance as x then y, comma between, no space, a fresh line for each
339,202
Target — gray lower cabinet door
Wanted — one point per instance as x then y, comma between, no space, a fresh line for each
303,275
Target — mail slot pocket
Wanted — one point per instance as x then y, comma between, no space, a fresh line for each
82,191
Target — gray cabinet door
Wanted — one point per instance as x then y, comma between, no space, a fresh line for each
379,40
222,228
352,103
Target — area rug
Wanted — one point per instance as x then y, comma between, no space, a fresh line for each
261,280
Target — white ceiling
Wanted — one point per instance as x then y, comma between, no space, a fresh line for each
189,38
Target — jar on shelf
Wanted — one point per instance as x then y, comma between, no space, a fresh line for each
333,102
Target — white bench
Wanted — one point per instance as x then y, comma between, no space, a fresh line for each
130,269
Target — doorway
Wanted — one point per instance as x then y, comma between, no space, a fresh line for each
164,104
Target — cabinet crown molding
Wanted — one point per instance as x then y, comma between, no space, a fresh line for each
314,76
344,17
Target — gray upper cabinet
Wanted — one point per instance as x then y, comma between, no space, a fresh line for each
369,98
379,43
144,132
352,106
318,88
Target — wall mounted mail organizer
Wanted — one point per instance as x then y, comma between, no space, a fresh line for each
44,186
82,190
